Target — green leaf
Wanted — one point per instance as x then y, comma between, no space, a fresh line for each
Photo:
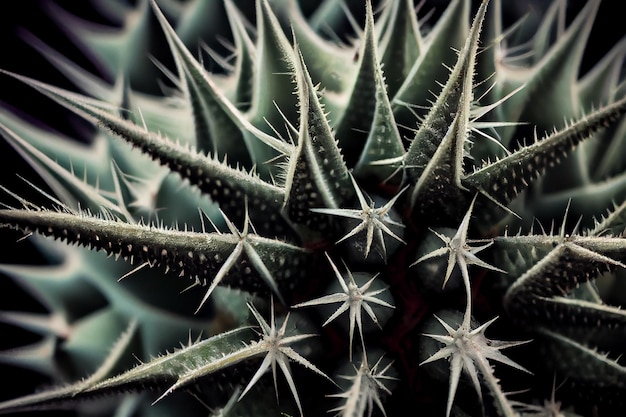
434,160
449,33
273,101
66,184
179,368
317,176
114,52
244,68
573,261
586,200
552,75
356,119
504,179
613,222
588,322
401,43
329,64
582,363
227,186
212,113
202,257
602,80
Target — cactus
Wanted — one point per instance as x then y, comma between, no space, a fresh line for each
388,212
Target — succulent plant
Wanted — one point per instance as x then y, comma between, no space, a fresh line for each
373,208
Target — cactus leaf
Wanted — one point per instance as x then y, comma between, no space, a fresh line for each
197,255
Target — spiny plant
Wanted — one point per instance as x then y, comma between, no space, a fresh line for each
373,213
